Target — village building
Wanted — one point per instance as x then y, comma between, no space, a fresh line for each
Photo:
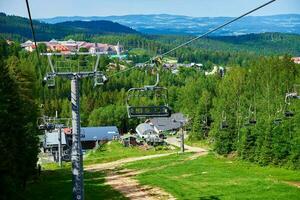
173,123
91,137
147,132
296,60
74,46
131,140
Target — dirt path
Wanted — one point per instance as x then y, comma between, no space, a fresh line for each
124,182
293,183
174,141
118,163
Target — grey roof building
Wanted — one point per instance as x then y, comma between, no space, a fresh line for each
168,123
99,133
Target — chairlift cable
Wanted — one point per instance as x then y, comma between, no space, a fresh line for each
201,36
217,28
32,30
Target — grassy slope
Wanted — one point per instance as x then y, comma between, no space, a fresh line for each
115,151
210,177
57,184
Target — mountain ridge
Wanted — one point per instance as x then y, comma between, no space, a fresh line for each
16,25
180,24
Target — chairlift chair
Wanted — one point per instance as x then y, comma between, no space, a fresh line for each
51,83
295,94
205,126
49,127
278,118
44,124
277,121
224,124
252,121
148,91
100,79
288,113
162,110
41,123
251,116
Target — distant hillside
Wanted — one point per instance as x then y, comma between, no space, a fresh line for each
175,24
262,43
96,27
19,26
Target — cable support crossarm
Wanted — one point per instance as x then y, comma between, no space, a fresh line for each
202,35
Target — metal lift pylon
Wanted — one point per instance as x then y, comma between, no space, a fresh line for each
76,155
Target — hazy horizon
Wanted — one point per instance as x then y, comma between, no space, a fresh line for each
191,8
163,14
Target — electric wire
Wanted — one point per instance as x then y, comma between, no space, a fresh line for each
200,36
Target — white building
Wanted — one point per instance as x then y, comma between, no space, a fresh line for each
148,133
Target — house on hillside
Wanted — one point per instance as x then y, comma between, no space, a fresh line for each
92,136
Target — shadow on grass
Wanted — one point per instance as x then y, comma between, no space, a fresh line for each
57,184
212,197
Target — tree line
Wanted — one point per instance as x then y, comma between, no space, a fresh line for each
18,114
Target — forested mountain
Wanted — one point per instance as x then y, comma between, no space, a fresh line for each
175,24
97,27
19,27
264,43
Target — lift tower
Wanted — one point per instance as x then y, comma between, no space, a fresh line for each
75,76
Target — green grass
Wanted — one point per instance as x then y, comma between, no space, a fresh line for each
57,184
212,177
199,143
114,151
139,51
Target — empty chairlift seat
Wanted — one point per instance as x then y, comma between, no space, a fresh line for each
148,102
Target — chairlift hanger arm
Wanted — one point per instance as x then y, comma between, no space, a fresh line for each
97,63
50,63
151,87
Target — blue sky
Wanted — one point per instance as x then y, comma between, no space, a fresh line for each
197,8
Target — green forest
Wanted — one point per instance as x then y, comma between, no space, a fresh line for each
221,109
